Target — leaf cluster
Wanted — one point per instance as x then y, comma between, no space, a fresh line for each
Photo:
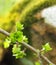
18,37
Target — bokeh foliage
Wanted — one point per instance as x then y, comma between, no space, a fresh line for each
20,10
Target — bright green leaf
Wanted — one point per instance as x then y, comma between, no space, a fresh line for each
7,43
47,47
17,51
25,39
19,26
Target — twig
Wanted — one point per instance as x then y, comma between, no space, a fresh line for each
28,46
4,32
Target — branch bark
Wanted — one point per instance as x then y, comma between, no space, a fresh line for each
28,46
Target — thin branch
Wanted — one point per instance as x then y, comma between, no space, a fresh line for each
4,32
36,51
28,46
46,59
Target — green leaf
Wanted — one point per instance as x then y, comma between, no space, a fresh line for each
12,37
20,55
17,51
19,26
20,39
37,63
19,36
7,43
47,47
25,39
16,36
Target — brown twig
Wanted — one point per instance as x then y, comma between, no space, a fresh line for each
28,46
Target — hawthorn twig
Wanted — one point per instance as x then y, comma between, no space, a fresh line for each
28,46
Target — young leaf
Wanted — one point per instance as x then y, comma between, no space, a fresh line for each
16,36
17,51
19,26
47,47
7,43
25,39
12,37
